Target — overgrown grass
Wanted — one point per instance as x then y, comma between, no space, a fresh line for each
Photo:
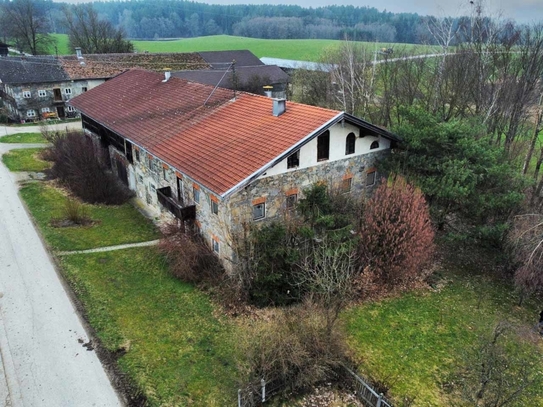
27,138
113,225
25,160
414,343
179,353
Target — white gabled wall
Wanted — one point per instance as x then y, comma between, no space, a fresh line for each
338,138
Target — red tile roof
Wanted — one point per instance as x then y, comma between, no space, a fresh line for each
219,145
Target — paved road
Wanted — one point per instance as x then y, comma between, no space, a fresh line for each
5,130
42,360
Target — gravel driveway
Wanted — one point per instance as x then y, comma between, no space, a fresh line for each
42,358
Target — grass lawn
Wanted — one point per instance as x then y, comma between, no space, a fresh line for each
113,224
25,160
62,46
179,353
27,138
413,343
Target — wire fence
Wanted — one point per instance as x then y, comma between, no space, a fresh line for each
257,393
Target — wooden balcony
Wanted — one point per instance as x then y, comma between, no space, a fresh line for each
173,206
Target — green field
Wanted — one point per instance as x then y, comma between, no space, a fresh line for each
24,138
62,47
305,50
25,160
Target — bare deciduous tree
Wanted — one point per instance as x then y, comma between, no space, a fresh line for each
93,35
25,22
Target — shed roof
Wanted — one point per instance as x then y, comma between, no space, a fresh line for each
222,59
271,74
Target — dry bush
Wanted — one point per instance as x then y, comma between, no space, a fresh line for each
76,212
189,258
80,167
294,347
397,237
526,244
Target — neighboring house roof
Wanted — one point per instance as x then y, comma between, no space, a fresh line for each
222,59
20,70
272,74
109,65
293,64
219,145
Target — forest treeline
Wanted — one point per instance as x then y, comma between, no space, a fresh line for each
178,18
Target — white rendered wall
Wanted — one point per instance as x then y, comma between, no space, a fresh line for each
338,138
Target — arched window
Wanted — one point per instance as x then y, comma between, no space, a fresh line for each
374,145
349,144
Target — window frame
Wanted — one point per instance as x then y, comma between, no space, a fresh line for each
68,91
323,146
196,194
350,144
214,207
45,110
373,175
27,94
293,160
29,111
374,145
42,93
262,215
70,109
346,185
291,201
215,246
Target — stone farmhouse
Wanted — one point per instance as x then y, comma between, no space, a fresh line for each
39,87
219,158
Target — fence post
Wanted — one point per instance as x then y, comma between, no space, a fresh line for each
239,397
379,400
263,385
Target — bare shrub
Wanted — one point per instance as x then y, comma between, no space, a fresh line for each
189,258
293,347
397,238
526,244
78,165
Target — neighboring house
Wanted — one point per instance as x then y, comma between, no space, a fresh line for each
201,154
38,87
238,70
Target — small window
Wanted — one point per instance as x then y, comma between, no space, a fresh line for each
70,109
140,178
68,91
27,94
214,207
216,246
259,211
153,188
293,160
84,89
45,110
323,146
137,155
163,173
31,113
370,178
346,185
291,201
42,93
196,193
374,145
350,144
